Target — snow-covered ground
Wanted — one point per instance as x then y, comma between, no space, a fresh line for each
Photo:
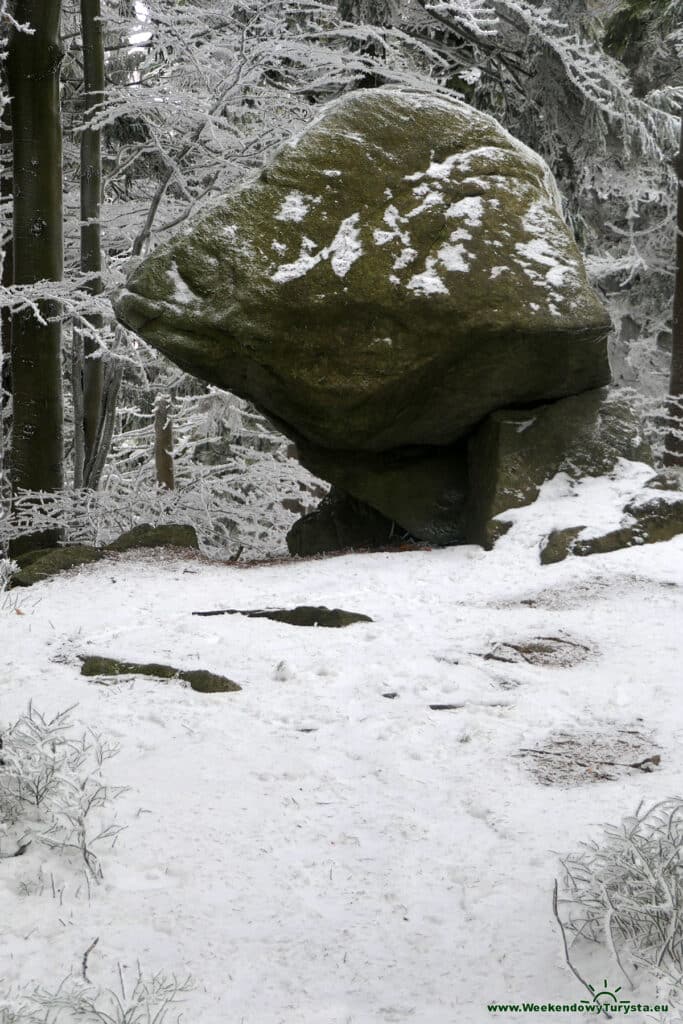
310,850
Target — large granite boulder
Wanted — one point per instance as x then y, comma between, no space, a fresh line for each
397,273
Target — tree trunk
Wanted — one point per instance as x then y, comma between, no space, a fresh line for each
77,400
112,382
33,75
6,276
163,443
367,12
91,248
6,258
673,453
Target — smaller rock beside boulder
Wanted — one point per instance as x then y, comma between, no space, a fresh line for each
558,544
647,521
341,523
38,565
42,563
176,535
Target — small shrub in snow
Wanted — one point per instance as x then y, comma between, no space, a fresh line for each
7,569
51,785
153,1000
627,892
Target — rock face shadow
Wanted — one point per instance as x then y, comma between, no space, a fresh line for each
574,758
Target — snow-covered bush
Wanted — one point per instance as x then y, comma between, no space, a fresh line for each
7,570
52,789
235,482
153,1000
626,892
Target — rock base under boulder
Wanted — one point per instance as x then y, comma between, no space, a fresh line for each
456,494
421,488
341,523
514,451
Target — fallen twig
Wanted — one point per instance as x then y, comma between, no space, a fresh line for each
84,961
570,965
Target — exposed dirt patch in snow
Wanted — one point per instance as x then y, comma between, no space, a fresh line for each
573,758
556,651
599,588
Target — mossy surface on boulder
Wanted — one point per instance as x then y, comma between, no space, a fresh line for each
515,451
42,563
199,679
398,271
176,535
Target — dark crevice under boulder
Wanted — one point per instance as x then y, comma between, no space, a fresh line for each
422,490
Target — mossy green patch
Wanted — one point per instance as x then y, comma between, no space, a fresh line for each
38,565
199,679
146,536
648,521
